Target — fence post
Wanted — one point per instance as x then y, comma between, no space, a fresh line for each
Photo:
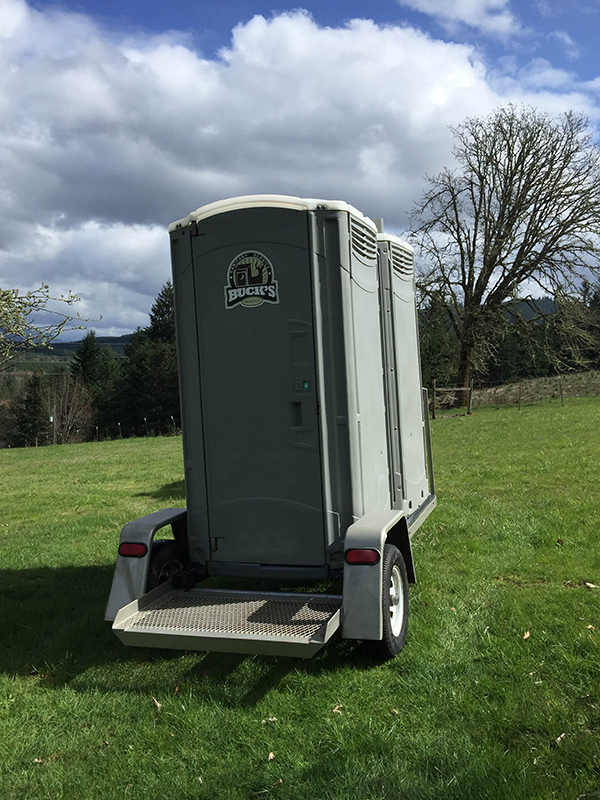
470,406
560,386
520,394
433,402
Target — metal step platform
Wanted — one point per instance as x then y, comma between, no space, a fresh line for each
269,623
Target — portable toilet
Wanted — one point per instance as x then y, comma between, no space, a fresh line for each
305,435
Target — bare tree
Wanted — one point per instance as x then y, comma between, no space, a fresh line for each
31,319
69,406
518,217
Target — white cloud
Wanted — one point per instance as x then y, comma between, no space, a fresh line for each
554,90
115,269
105,139
492,17
548,8
14,14
571,48
539,75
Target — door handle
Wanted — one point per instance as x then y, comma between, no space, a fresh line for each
296,410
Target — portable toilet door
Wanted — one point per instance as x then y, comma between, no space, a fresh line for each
244,304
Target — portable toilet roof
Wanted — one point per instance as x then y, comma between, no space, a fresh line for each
268,201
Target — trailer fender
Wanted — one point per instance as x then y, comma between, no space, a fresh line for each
362,615
131,573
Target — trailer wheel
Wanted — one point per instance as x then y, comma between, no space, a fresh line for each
395,603
166,558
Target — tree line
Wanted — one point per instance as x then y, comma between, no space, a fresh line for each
554,340
108,396
103,395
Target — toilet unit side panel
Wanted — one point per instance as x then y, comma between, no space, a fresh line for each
330,237
190,394
368,437
409,381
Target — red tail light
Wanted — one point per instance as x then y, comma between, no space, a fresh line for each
133,549
367,556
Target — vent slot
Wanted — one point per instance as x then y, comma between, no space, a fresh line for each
402,261
364,242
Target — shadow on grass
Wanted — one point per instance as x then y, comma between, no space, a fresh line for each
170,491
54,632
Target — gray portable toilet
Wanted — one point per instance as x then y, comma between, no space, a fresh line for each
304,431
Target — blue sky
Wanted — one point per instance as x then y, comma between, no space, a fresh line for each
565,33
119,117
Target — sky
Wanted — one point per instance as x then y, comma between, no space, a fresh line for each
118,117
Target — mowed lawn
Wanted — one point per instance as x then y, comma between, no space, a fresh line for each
496,694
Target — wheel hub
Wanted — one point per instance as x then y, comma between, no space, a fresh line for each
168,570
396,601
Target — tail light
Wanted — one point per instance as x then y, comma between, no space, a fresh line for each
133,549
366,556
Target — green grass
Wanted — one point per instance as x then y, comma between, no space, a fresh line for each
470,709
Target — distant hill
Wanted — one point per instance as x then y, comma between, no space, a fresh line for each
543,305
66,349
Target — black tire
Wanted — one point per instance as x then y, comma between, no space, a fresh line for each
166,558
394,598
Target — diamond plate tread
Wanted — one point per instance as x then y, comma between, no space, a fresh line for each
240,615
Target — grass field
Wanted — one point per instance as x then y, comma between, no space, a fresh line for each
496,694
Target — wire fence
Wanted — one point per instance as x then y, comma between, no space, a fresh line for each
53,435
451,396
517,393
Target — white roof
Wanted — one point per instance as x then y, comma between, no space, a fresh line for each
390,237
268,201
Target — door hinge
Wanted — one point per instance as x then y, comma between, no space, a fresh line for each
193,228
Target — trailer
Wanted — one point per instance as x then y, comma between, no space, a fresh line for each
305,436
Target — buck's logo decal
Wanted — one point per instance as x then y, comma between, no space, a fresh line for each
251,281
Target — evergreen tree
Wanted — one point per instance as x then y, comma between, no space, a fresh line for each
437,345
165,385
86,361
594,306
106,387
30,414
145,393
98,369
7,426
162,316
521,356
149,392
134,400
